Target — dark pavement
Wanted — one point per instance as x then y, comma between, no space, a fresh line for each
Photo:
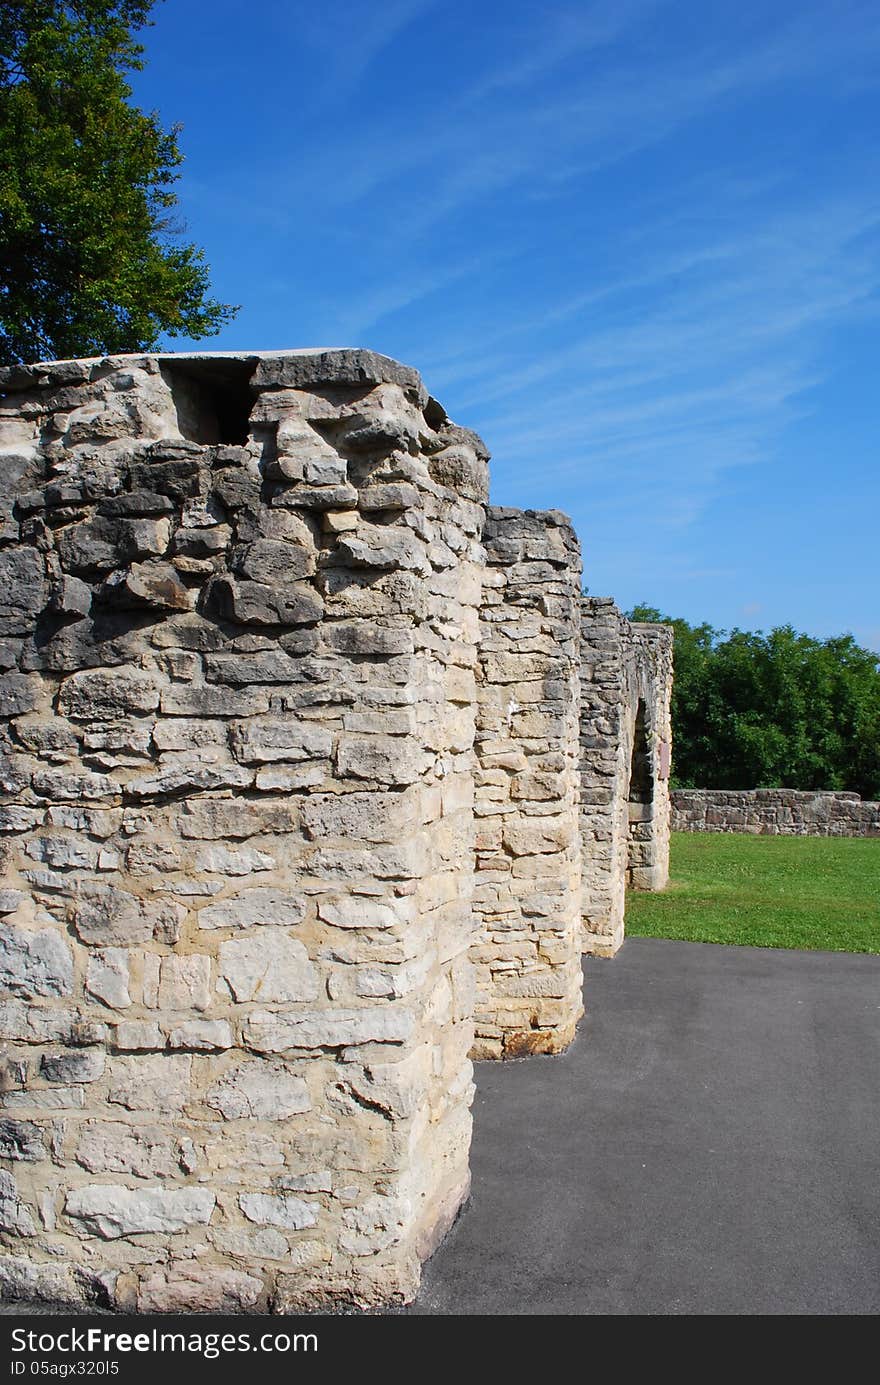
709,1145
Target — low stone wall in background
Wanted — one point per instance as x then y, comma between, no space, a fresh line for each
774,812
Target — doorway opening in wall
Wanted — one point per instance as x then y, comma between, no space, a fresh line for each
213,399
641,790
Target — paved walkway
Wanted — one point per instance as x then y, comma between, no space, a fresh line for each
710,1144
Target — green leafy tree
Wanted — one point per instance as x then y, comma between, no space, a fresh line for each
90,261
755,710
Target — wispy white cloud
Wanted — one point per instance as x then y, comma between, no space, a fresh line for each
351,35
476,146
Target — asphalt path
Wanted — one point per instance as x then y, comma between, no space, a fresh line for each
709,1145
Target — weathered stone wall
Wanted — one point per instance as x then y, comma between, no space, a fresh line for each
527,892
774,812
294,773
238,627
625,732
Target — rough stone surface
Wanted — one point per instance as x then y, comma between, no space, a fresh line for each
113,1210
626,746
528,858
289,806
238,662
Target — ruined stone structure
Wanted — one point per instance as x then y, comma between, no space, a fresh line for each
774,812
528,858
301,741
626,738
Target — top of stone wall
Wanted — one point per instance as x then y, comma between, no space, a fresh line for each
300,366
663,633
767,795
76,416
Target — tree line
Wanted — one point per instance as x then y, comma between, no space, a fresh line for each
772,710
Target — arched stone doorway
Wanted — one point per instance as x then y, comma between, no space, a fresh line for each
626,681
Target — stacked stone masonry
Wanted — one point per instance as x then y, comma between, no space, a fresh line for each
774,812
528,857
626,738
291,776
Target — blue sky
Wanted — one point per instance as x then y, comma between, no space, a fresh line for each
633,243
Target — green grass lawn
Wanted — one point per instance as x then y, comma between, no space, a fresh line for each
805,892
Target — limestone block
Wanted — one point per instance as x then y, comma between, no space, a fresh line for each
104,914
209,1035
85,1065
270,967
263,740
190,1288
373,546
190,778
376,1225
26,1022
34,963
290,778
23,589
112,1210
156,1082
222,819
268,1032
251,1243
223,860
262,666
63,785
278,1209
144,1151
148,586
63,853
355,637
33,1281
99,694
186,733
211,700
19,693
185,983
138,1036
384,759
355,911
14,1216
371,817
259,604
264,904
271,561
95,822
22,1141
259,1089
51,1099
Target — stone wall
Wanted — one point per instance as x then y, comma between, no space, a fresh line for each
298,745
774,812
625,736
239,624
527,893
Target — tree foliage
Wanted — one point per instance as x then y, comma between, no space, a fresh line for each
755,710
89,259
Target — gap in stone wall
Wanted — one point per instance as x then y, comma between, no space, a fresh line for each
212,398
